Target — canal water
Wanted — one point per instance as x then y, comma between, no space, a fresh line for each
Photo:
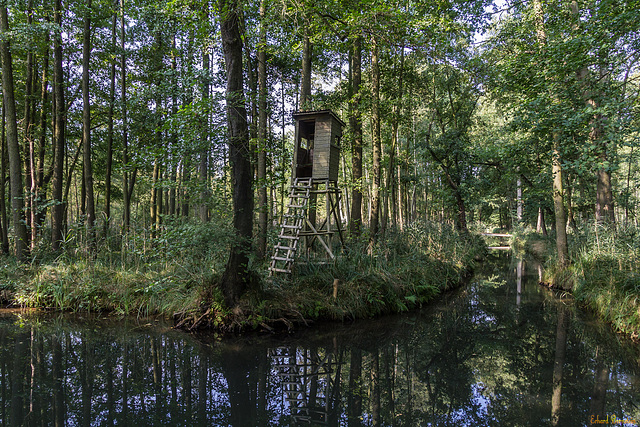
501,350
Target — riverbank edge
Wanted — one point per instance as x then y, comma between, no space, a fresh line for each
349,290
404,273
599,282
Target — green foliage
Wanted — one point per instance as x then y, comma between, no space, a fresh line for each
406,270
605,276
166,274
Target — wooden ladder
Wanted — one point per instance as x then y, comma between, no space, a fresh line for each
284,251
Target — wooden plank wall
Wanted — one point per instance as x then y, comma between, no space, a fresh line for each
322,148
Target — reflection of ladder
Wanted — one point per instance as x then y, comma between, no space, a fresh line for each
284,251
307,382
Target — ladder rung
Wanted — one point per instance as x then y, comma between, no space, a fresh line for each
296,206
280,270
279,258
291,226
284,248
282,236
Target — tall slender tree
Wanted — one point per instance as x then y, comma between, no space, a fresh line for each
562,245
86,128
127,179
374,219
236,277
15,165
58,210
29,143
110,124
355,123
263,208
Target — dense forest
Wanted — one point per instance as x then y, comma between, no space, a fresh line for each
159,133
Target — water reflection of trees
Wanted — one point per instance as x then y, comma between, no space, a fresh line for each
491,355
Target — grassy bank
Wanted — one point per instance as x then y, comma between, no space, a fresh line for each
406,270
603,275
606,276
176,275
149,275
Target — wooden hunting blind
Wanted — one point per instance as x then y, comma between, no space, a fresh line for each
314,186
317,145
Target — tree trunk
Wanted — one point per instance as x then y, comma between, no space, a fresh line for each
3,181
236,277
394,184
204,153
355,122
112,97
28,137
153,209
461,222
568,201
86,130
558,205
519,203
186,177
305,85
604,193
305,105
57,217
263,208
173,159
556,167
41,180
541,226
604,209
13,147
377,145
126,215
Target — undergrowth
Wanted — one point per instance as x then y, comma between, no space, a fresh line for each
133,274
177,272
603,274
605,266
405,270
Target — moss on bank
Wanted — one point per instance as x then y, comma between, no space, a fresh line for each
603,275
178,279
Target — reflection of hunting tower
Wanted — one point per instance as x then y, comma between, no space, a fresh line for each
310,381
312,217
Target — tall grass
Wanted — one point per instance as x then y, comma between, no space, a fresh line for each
137,273
176,272
407,269
605,267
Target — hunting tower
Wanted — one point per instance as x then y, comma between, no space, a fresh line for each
314,186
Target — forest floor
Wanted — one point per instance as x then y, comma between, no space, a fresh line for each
603,274
179,281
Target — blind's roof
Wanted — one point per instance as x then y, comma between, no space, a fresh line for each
303,114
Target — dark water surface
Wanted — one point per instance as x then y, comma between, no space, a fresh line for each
500,351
